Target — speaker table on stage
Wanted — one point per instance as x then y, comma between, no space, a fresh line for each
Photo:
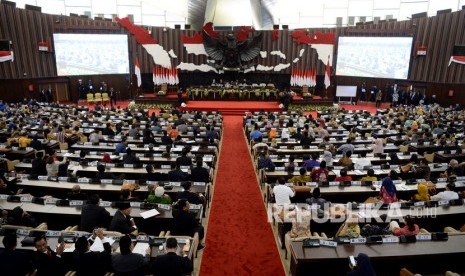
305,89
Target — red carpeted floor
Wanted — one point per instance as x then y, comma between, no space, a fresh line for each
233,107
239,239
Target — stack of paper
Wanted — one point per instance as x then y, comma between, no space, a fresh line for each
141,248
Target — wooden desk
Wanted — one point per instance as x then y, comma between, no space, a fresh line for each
420,257
60,217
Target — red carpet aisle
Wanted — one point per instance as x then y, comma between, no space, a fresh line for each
239,239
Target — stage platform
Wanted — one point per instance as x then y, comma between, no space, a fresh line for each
231,107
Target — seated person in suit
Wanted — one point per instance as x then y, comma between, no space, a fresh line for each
101,174
410,228
122,221
128,263
157,195
190,196
35,143
184,160
343,176
370,176
363,266
184,222
423,171
167,152
151,176
130,157
302,178
39,166
47,261
76,194
264,161
200,173
176,174
92,262
170,263
165,139
93,215
18,216
12,261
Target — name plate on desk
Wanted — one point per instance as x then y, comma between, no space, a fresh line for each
23,232
129,165
334,183
165,166
130,181
460,178
298,147
106,181
42,177
279,169
105,203
51,201
142,238
76,203
391,240
358,241
164,206
199,183
175,184
328,243
87,143
442,179
419,204
148,182
195,206
63,178
395,205
110,165
83,180
311,184
53,233
443,203
423,237
4,197
26,199
356,183
135,204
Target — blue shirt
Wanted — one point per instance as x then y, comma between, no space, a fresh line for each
120,148
311,163
256,134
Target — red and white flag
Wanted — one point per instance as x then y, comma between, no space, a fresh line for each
137,72
328,75
176,76
154,77
457,59
6,56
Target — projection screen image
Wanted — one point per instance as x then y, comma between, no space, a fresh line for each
91,54
376,57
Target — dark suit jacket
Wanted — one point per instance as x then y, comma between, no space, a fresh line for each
184,224
132,264
13,262
39,167
183,161
48,265
120,223
171,264
190,196
93,263
200,174
130,159
94,216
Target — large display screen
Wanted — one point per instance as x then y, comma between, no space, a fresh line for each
91,54
376,57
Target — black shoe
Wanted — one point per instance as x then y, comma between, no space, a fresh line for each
200,247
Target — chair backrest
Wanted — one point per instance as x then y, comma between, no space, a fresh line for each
105,95
11,164
90,96
63,146
429,157
98,95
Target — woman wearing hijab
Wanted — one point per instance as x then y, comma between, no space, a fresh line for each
423,194
378,146
363,266
388,191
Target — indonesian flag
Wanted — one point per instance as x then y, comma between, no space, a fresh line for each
327,75
155,76
309,78
137,72
314,77
43,46
457,59
176,76
171,76
6,56
291,81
